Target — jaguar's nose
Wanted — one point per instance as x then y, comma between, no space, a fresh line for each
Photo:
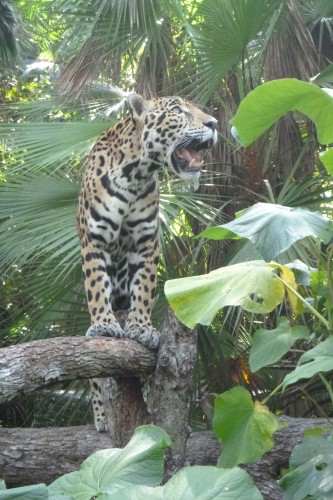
212,124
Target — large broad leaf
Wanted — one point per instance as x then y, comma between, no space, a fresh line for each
192,483
262,107
270,345
327,159
107,471
251,285
319,359
274,228
33,492
245,428
311,474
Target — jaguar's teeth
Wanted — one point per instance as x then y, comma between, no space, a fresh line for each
192,163
202,162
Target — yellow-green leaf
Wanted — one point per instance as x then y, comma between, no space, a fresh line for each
245,428
252,285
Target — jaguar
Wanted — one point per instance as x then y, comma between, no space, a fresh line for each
118,213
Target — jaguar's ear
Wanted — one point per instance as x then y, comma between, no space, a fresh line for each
138,106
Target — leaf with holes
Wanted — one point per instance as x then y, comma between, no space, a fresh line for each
311,473
251,285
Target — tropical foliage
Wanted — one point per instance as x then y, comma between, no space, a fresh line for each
248,285
74,63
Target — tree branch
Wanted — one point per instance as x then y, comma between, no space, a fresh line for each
24,368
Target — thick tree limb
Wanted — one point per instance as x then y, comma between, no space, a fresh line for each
29,456
27,367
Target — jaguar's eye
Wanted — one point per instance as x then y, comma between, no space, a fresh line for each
177,110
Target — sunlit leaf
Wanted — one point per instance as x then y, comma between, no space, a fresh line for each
221,40
262,107
252,285
289,278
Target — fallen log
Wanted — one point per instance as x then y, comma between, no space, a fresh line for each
29,456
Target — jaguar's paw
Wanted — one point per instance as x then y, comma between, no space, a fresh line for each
105,330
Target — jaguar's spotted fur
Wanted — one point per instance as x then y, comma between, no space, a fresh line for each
118,212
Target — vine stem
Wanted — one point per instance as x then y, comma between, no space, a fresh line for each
327,385
305,303
274,391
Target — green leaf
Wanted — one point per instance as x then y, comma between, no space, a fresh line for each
251,285
245,428
33,492
311,477
198,482
218,233
325,78
274,228
270,345
107,471
326,157
262,107
319,359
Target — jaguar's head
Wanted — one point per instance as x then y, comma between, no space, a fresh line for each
173,132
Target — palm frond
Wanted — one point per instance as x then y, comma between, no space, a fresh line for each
222,39
39,211
39,145
120,29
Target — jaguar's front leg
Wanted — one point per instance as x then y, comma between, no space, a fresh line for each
142,275
98,285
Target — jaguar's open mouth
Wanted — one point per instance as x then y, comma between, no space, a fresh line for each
187,159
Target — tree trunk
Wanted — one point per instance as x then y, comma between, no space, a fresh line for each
29,456
124,407
172,388
169,391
